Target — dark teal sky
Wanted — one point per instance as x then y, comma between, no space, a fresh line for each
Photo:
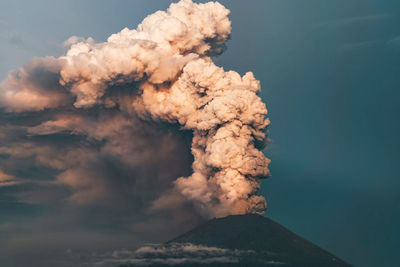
330,77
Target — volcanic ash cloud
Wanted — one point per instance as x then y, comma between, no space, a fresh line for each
162,71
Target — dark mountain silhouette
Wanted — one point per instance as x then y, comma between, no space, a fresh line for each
254,232
252,240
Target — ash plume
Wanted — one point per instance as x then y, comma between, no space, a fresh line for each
129,104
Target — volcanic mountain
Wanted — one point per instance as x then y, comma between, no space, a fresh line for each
238,240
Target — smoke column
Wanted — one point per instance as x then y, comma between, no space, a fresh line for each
160,72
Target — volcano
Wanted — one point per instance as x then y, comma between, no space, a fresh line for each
238,240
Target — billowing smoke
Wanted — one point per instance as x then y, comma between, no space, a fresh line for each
130,106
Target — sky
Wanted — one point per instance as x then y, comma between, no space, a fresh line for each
329,74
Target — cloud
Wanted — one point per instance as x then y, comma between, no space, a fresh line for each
353,20
34,87
77,39
136,100
358,45
137,138
174,254
394,41
142,133
171,254
6,179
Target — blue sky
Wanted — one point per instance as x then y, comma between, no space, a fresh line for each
330,77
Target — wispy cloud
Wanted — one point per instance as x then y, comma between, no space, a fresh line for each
395,41
172,254
6,179
358,45
352,20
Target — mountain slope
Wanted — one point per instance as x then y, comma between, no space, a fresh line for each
273,243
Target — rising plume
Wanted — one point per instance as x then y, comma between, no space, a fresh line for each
131,102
